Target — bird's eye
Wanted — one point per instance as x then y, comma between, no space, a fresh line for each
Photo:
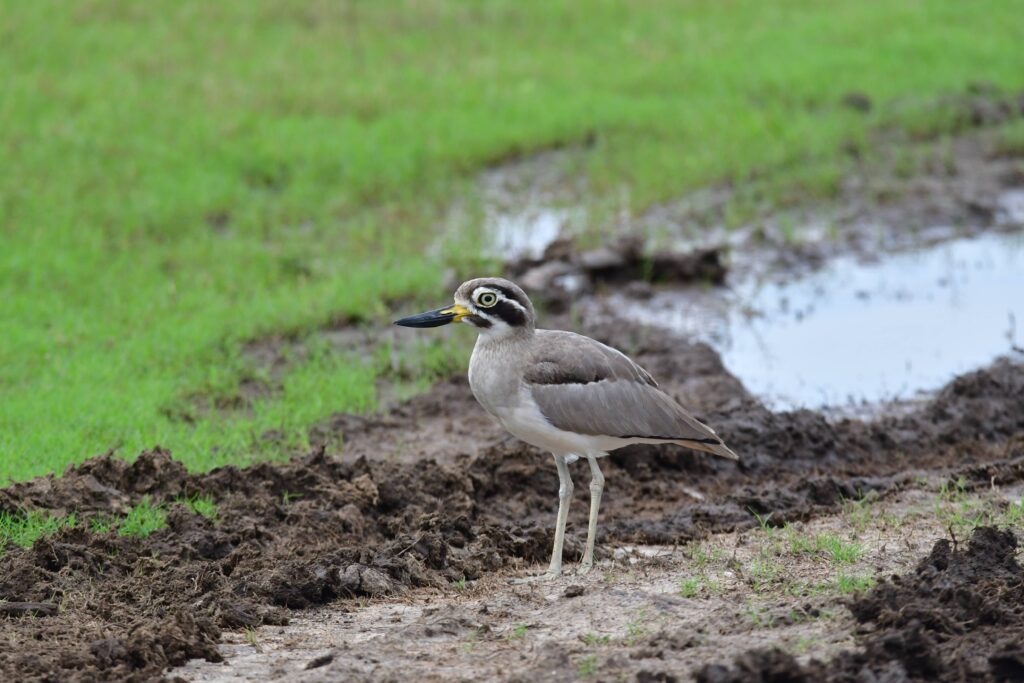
487,299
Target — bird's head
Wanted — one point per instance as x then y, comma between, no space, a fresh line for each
494,305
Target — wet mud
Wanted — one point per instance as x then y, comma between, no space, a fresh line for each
356,523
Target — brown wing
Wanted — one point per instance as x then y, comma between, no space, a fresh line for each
584,386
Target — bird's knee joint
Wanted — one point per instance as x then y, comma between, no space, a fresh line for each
596,486
565,491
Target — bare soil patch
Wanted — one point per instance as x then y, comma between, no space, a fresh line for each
958,617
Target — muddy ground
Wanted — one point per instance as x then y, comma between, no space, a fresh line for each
389,552
323,528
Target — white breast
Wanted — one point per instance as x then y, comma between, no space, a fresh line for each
496,380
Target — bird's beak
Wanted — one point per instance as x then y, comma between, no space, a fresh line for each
435,318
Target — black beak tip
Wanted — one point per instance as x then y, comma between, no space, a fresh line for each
428,319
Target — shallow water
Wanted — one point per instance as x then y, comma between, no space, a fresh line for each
857,332
525,233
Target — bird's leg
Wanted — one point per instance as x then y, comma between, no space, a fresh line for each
564,497
596,487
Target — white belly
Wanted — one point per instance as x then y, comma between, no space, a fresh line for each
497,386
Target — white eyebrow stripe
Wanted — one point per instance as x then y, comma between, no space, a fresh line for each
501,297
515,303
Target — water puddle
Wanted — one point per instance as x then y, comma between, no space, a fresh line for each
525,233
853,332
1010,208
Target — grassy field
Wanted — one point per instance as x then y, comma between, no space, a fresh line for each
177,178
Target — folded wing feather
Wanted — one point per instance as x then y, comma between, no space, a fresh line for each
584,386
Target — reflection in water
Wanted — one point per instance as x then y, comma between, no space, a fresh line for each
526,233
855,332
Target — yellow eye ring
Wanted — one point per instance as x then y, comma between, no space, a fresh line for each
487,299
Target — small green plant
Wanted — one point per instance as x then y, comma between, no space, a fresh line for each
849,583
704,555
838,550
957,510
858,512
518,633
688,588
102,524
143,519
461,584
829,546
803,645
760,617
24,529
1013,515
471,637
587,668
1011,139
698,554
635,629
763,571
762,521
801,588
204,506
788,228
594,640
253,638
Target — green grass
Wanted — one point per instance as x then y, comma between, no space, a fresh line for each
689,587
143,519
181,177
587,666
25,528
960,510
852,583
102,524
518,633
204,506
829,546
1011,139
760,617
1012,516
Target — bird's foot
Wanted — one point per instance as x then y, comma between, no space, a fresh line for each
584,568
549,575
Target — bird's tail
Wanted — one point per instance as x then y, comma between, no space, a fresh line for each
719,448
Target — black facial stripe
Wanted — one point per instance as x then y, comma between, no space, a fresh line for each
509,294
479,321
509,312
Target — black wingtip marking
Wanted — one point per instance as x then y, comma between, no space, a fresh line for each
710,442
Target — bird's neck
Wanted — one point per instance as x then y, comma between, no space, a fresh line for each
505,335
